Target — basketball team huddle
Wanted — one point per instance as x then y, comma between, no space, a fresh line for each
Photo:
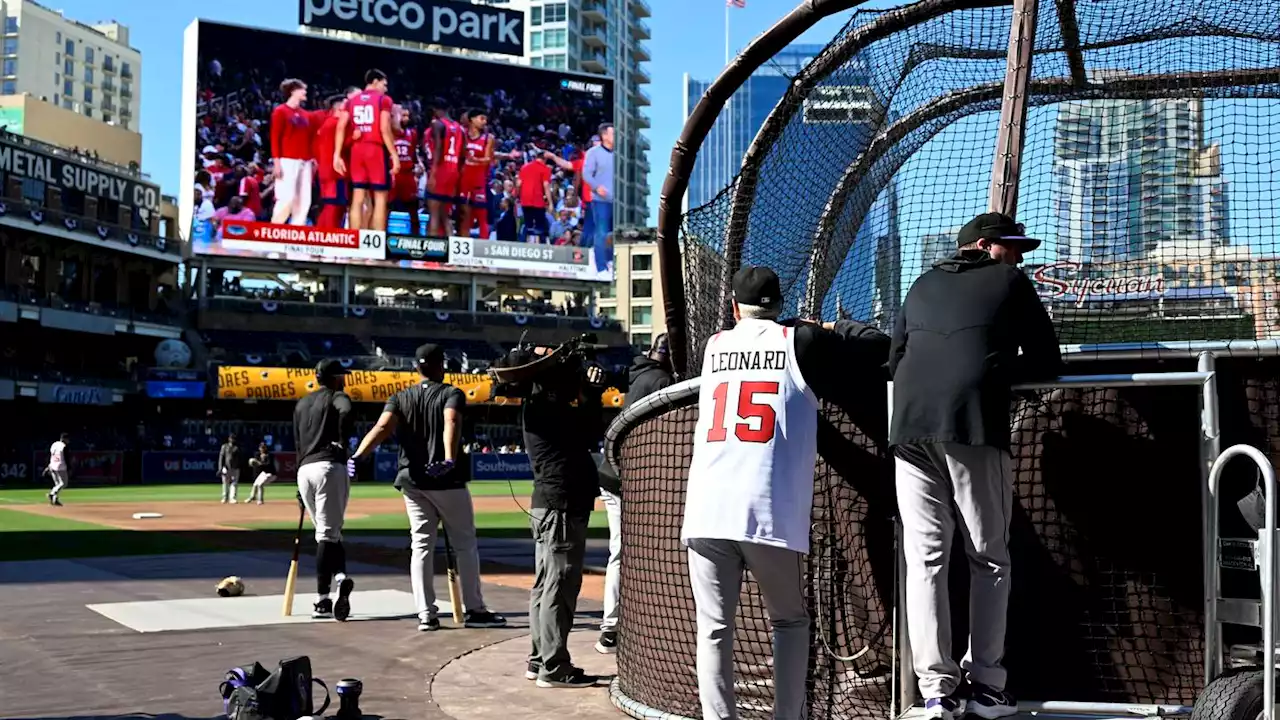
367,161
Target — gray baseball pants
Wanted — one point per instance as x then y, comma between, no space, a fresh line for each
325,490
969,487
715,571
229,480
426,508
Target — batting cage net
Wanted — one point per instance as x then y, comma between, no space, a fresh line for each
1148,168
1149,172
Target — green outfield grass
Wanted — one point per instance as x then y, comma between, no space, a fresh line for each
488,524
175,493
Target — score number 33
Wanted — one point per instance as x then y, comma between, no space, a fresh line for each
758,419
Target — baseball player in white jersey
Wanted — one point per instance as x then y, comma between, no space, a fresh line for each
750,489
58,468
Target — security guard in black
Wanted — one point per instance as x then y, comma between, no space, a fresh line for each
419,410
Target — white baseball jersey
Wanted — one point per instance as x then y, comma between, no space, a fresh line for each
56,459
756,442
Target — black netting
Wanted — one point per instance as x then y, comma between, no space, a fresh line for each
1149,166
1107,600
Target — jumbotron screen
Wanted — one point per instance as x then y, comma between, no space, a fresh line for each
446,163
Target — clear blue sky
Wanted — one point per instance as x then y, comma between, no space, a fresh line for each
682,34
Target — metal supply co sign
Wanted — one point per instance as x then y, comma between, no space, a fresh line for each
439,22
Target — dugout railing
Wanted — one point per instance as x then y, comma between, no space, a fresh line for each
1111,484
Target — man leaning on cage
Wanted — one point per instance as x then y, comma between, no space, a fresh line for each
954,360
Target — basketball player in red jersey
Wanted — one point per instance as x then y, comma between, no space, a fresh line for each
475,175
404,187
447,140
373,155
335,195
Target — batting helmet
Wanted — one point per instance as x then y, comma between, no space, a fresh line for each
231,587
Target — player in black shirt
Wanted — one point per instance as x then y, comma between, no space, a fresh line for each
432,474
265,465
321,421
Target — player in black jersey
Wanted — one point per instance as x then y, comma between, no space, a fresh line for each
432,474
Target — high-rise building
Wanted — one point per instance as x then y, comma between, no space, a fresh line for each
837,115
721,154
603,37
607,37
88,68
1136,178
636,297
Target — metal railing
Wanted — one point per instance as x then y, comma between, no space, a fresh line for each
79,224
905,693
1270,546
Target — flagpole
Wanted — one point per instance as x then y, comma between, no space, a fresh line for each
729,170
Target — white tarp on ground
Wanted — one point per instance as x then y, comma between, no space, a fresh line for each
252,610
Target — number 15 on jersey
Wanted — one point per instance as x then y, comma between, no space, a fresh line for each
754,418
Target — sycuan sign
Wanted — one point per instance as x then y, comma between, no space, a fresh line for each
439,22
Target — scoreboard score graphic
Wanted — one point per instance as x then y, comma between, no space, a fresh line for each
296,242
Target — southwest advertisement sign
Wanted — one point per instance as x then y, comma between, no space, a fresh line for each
499,466
438,22
257,383
88,467
197,466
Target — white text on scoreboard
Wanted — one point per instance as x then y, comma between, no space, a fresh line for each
294,240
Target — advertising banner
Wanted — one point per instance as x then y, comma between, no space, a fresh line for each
384,466
165,467
74,394
17,469
175,389
19,161
88,467
238,382
437,22
501,466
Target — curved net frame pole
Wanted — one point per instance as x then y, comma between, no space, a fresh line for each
1013,109
696,128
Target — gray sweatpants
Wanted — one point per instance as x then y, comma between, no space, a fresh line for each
560,540
715,571
325,489
229,480
970,487
426,508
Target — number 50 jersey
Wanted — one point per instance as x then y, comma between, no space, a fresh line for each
756,441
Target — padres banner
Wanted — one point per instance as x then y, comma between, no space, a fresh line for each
259,383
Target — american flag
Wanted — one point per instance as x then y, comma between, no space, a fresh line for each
735,3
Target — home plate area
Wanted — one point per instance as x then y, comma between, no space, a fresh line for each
250,611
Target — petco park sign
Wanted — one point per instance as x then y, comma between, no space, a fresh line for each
1061,281
439,22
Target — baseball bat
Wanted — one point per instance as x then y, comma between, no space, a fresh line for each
455,589
287,610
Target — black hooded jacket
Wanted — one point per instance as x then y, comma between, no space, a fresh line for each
955,350
646,376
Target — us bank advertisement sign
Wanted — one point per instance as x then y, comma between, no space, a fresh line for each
439,22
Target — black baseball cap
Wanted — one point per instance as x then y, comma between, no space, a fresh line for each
756,285
329,368
428,354
996,227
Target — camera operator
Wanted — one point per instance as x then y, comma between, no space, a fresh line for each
563,423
